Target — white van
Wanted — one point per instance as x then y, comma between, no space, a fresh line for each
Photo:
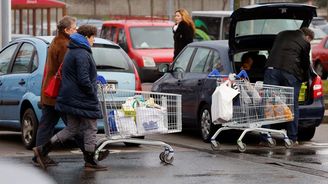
211,25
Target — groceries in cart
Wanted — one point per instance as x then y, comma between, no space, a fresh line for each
138,116
250,106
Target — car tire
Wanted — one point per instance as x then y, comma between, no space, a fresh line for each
29,127
306,134
205,123
320,70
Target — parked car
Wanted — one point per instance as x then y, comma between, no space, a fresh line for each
319,34
147,42
211,25
252,28
320,57
22,64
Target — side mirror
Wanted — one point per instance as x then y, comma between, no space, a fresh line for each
163,68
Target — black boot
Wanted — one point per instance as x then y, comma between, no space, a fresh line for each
91,164
42,151
103,154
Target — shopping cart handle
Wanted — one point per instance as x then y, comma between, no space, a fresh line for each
101,79
242,74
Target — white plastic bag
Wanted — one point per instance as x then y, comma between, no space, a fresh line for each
150,120
222,97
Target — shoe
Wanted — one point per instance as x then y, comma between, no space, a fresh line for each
91,164
103,154
48,161
39,157
295,143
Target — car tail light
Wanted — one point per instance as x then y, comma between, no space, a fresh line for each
138,81
317,87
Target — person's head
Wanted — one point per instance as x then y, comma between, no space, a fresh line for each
183,15
89,32
67,25
308,34
247,61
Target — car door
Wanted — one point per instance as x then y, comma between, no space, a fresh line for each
15,84
192,83
6,57
171,82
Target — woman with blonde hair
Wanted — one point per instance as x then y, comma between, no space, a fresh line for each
183,30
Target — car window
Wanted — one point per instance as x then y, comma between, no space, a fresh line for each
109,58
148,37
181,63
207,28
35,63
213,62
5,57
326,44
199,60
266,26
122,40
108,33
23,58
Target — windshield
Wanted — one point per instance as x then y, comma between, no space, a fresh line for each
266,26
109,58
152,37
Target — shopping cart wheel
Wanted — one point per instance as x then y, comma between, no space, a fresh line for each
166,160
241,147
288,143
215,147
161,156
272,142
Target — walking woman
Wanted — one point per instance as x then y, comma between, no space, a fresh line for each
77,98
183,31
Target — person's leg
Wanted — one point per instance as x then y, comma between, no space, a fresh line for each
89,128
47,124
69,131
292,127
45,131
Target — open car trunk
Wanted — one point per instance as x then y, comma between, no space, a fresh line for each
254,28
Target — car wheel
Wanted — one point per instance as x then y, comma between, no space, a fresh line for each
306,134
320,71
29,125
206,125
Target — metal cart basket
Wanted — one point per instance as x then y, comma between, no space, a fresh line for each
258,104
128,114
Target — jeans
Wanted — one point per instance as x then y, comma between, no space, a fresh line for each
282,78
46,128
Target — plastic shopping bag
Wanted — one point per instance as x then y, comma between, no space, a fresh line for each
150,120
253,93
222,105
282,111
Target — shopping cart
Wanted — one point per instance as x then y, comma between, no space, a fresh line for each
258,104
128,114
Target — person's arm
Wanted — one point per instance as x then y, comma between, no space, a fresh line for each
187,33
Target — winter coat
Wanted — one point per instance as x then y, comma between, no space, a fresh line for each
290,52
56,53
78,90
182,36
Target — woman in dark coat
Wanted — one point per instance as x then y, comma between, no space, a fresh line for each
78,97
183,31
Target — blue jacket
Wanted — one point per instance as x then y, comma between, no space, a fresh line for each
78,89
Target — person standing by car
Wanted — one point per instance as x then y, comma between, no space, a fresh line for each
288,65
50,117
183,31
78,98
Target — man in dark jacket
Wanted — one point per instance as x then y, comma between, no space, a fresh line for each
288,65
78,98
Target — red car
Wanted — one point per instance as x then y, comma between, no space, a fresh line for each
147,42
320,57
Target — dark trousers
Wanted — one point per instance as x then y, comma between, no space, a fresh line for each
46,128
282,78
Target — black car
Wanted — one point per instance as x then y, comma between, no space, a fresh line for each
252,28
